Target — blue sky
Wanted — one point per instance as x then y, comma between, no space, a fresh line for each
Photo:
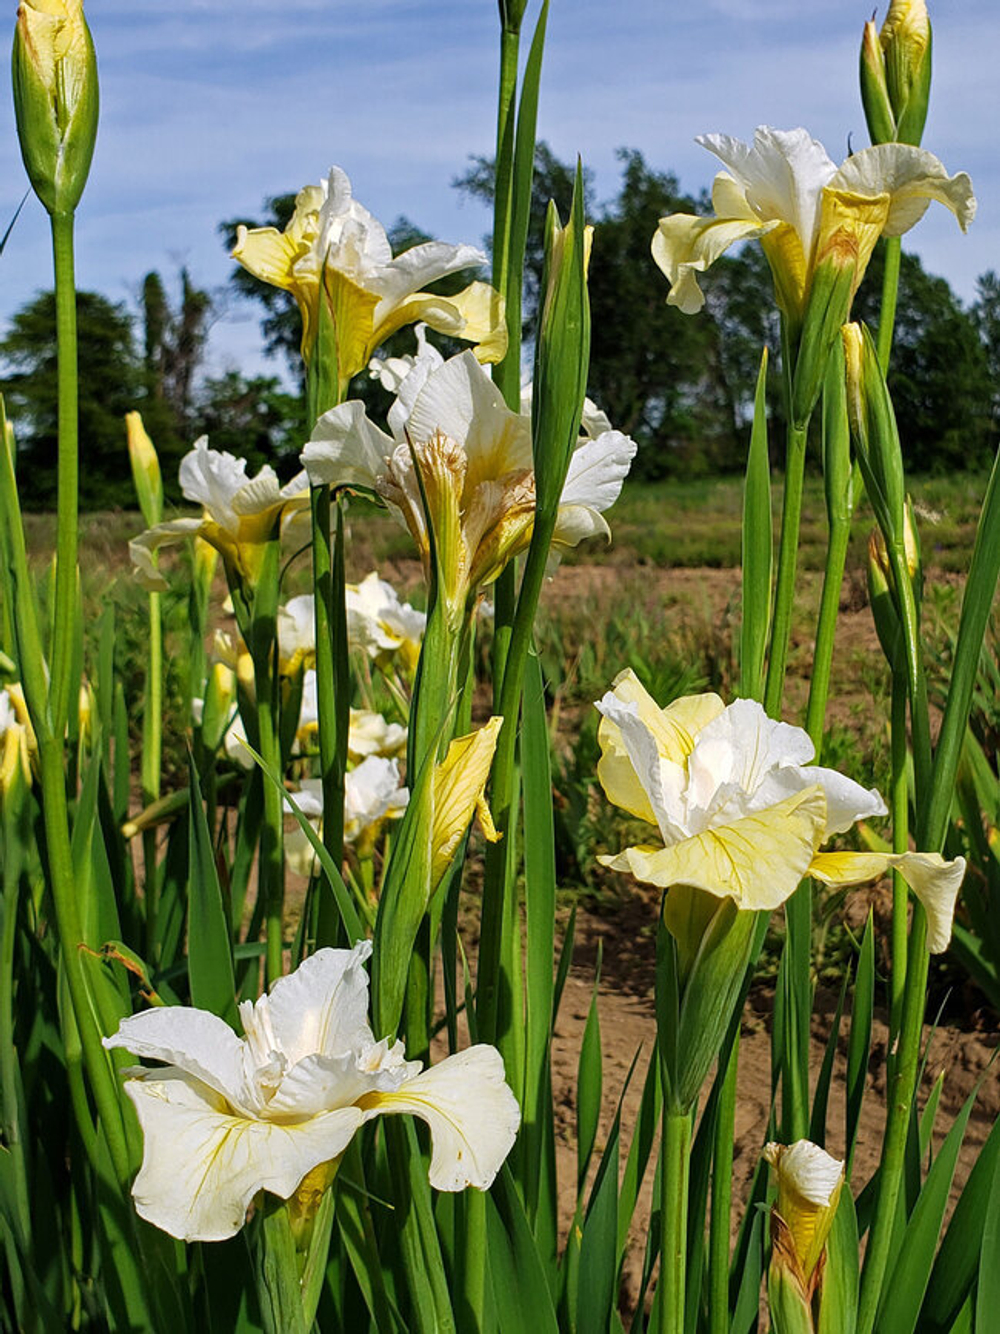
207,107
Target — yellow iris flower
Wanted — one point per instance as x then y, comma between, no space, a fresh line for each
741,810
785,191
334,250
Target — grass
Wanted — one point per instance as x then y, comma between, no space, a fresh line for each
637,602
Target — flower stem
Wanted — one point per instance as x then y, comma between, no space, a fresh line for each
64,618
261,636
332,688
901,1091
829,607
784,593
722,1192
152,749
890,291
899,797
673,1213
62,881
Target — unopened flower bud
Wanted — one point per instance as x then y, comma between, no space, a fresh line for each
55,99
906,44
145,469
809,1182
874,88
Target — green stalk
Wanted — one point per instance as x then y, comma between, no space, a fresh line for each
510,42
152,750
915,680
784,593
503,785
257,614
64,615
899,801
474,1251
64,899
11,1106
271,868
673,1214
826,629
901,1091
890,291
55,812
903,1081
332,686
722,1192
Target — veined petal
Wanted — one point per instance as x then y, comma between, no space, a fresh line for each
484,322
268,254
596,471
459,782
472,1114
417,268
462,402
202,1166
782,174
912,177
935,882
141,549
684,246
353,307
195,1041
758,861
322,1007
346,449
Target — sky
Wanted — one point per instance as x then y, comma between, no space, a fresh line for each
209,107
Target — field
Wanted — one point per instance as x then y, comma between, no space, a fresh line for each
665,598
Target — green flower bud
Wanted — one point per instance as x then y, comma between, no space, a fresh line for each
873,427
145,469
55,98
874,88
906,43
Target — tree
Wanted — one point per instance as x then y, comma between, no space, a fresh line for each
173,350
986,314
661,376
109,385
939,376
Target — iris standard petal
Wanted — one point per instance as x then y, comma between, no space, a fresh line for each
322,1007
782,174
461,402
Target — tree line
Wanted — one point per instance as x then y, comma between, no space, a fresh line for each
682,386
